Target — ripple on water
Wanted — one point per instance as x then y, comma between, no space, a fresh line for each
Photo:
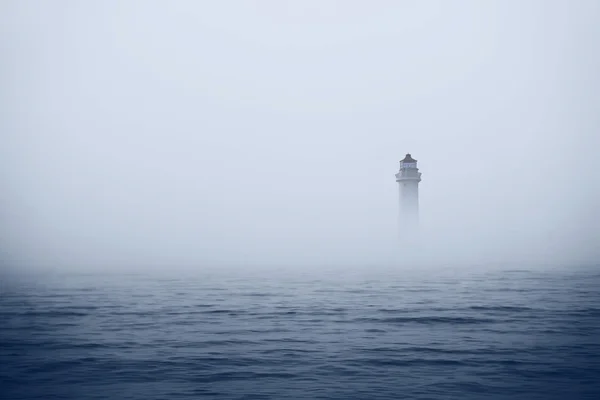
514,335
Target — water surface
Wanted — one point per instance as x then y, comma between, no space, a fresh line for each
366,334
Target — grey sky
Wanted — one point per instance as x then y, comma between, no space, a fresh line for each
195,132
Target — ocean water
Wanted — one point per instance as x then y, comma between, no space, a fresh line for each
361,334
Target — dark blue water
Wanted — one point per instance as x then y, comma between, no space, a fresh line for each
294,335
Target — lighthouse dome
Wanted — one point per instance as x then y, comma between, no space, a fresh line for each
409,159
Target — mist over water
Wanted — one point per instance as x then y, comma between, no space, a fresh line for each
198,198
196,133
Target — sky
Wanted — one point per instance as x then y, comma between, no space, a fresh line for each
194,133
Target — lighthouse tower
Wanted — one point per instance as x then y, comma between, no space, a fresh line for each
408,179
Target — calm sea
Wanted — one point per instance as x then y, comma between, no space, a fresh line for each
369,334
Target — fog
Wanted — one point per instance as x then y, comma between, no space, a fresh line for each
245,133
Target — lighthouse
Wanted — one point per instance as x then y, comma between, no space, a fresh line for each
408,179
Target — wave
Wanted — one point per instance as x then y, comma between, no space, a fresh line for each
429,320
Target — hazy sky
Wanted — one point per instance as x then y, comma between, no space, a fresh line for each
248,132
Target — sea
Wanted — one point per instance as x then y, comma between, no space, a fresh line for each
361,333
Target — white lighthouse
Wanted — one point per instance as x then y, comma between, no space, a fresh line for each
408,179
